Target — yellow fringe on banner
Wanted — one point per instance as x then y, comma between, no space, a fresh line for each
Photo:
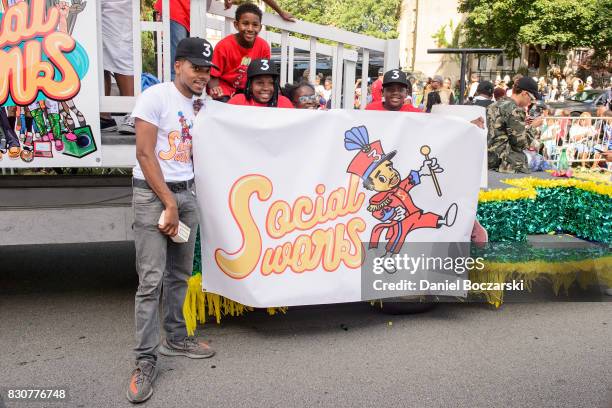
525,188
197,302
562,275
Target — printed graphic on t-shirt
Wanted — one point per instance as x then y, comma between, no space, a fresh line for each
179,142
242,71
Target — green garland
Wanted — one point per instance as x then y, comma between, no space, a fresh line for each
554,210
197,259
514,252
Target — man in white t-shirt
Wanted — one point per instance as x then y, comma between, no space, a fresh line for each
163,182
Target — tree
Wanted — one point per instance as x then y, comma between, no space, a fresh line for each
443,42
370,17
549,25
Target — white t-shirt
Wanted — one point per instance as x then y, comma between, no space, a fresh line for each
164,106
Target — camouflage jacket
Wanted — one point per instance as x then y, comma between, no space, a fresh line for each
507,137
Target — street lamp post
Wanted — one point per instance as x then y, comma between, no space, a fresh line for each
464,52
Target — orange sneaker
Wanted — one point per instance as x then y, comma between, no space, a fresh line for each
140,387
190,347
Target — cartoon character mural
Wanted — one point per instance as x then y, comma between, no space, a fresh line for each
392,203
45,124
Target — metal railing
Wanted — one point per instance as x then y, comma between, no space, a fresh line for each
583,138
345,50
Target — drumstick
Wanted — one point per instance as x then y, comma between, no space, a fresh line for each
425,150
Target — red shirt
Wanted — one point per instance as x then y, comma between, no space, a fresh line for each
240,99
377,91
233,61
379,106
179,12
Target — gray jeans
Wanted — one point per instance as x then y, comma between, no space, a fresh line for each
163,268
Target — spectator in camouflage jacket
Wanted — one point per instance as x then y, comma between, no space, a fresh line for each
510,131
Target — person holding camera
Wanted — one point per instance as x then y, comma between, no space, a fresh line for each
510,130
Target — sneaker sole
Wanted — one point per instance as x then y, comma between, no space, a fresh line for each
109,129
133,401
163,350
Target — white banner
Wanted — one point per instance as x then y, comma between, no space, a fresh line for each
49,105
469,113
284,209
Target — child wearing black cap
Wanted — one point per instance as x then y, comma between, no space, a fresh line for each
396,88
234,53
262,87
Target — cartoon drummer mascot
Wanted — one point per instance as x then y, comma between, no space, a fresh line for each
392,203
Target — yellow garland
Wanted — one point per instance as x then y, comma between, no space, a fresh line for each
561,274
510,194
525,188
197,301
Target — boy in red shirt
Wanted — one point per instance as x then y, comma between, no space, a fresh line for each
234,53
262,87
180,13
396,88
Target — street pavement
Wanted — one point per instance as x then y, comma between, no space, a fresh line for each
66,320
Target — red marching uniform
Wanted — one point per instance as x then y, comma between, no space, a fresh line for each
383,205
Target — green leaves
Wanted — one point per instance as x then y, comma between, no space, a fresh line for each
370,17
553,23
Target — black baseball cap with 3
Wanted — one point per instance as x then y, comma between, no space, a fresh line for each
196,50
529,85
259,67
395,76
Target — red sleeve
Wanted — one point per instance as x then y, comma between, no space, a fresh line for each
264,49
379,198
377,91
219,57
409,108
284,102
179,11
379,214
238,99
375,106
406,184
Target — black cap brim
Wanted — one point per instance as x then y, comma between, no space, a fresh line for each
201,62
535,95
395,82
256,74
